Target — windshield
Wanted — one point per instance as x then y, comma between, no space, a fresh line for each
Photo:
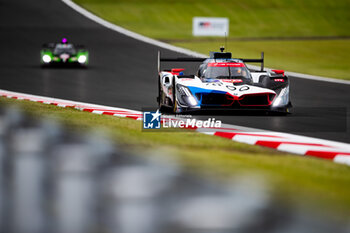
226,71
64,48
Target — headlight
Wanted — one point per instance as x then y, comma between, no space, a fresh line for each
46,58
283,98
184,90
186,96
82,59
192,101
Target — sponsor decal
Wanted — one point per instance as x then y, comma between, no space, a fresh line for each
210,80
186,79
206,24
215,83
64,57
210,26
225,64
232,80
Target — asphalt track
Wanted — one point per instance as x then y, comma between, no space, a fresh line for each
123,71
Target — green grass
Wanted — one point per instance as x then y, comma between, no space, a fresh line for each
318,57
172,19
315,183
164,19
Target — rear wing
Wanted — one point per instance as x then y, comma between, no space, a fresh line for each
195,59
261,61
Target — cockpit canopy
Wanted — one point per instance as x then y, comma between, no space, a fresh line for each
64,48
225,70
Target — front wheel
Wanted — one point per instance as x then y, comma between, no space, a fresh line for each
160,99
280,112
174,96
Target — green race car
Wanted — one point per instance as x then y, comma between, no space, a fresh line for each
63,53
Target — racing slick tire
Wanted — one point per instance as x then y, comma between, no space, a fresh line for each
279,112
265,81
174,96
160,98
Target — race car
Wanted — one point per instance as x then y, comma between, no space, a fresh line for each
222,83
63,53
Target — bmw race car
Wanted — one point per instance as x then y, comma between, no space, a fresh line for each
64,53
222,83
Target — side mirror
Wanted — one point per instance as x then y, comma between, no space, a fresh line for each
167,80
278,72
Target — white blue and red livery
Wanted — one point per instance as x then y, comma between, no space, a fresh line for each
222,83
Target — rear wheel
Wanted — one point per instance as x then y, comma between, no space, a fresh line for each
160,98
280,111
267,82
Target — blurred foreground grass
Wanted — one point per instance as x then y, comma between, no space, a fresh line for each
310,182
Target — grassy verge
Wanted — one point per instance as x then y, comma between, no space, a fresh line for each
313,182
318,57
171,19
168,20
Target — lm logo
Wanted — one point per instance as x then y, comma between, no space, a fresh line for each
151,120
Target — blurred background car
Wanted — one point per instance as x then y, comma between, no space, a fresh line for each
63,53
